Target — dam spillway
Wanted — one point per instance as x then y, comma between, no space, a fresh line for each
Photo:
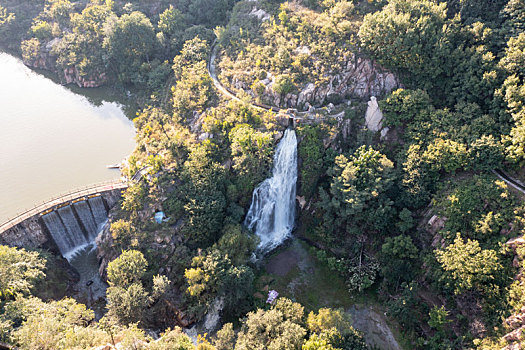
63,222
76,225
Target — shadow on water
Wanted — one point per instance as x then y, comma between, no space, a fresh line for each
97,96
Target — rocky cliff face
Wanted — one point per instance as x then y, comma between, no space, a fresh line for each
515,324
361,78
71,75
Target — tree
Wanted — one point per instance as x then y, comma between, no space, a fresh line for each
326,319
19,270
134,198
225,338
486,153
127,298
398,257
252,155
415,38
478,208
172,340
127,269
311,151
359,192
193,92
213,276
406,35
193,51
129,41
466,266
406,107
238,243
128,304
171,26
58,325
438,318
279,328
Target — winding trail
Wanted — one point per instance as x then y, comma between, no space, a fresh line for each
509,180
229,94
212,71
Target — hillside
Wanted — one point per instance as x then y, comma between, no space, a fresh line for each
402,218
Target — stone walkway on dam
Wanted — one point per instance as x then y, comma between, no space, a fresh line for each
68,197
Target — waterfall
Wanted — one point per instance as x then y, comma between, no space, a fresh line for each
99,209
272,212
86,218
75,227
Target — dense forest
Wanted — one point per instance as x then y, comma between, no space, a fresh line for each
408,216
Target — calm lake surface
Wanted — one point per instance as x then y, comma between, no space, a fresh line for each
53,140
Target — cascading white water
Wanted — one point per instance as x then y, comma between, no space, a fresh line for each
272,212
75,227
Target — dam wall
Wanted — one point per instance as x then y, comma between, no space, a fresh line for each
64,222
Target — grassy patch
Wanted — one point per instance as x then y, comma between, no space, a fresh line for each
309,281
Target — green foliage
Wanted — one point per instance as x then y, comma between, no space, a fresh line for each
59,325
127,269
202,194
311,152
406,221
127,297
281,327
358,197
193,92
129,41
225,338
466,266
125,234
438,318
403,107
6,17
127,304
172,340
283,85
171,26
237,243
415,38
407,307
30,49
478,208
19,270
214,276
406,35
41,30
486,153
398,260
134,198
362,275
252,155
295,47
327,319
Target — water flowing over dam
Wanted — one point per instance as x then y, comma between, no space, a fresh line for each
272,212
75,226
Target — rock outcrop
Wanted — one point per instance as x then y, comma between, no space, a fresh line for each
515,324
374,116
361,78
46,59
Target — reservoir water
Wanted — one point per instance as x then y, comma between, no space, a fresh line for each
53,140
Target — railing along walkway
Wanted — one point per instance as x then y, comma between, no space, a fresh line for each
71,195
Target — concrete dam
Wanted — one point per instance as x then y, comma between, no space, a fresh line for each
65,224
76,225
